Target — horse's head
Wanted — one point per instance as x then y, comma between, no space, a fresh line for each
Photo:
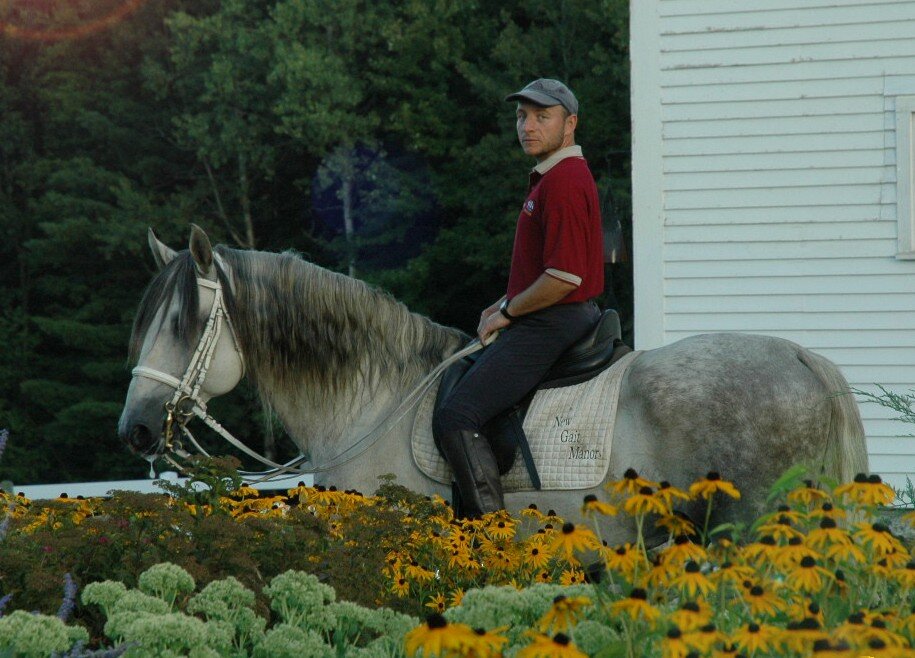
182,343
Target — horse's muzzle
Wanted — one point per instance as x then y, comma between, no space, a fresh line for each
140,439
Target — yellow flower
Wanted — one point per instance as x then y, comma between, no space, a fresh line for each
661,573
501,529
829,511
673,645
488,644
755,637
457,596
668,493
563,614
400,585
691,615
800,636
762,602
827,534
906,576
781,530
545,646
536,555
730,572
809,494
637,607
867,490
879,538
624,559
437,603
630,484
693,581
808,576
572,577
437,637
532,512
644,502
704,638
683,550
676,524
594,506
787,557
711,484
573,539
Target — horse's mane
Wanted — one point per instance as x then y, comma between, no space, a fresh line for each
305,332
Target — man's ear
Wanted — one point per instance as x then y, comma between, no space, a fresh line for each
201,250
162,253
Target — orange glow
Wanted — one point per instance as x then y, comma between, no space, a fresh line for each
92,26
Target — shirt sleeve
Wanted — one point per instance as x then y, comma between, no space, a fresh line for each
565,225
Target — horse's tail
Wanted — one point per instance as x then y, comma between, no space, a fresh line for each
846,448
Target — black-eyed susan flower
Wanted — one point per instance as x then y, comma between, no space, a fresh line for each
906,575
532,512
630,484
847,552
644,502
691,615
544,646
437,603
488,644
703,638
636,607
436,637
791,554
572,577
808,576
728,650
683,550
826,534
827,649
624,559
761,551
414,571
502,528
781,529
809,494
829,511
563,614
592,505
799,636
670,494
692,581
662,573
456,597
733,573
676,524
711,484
755,637
878,537
761,601
399,585
536,556
867,490
801,609
673,645
573,539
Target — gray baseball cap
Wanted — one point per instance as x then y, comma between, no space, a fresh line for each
547,92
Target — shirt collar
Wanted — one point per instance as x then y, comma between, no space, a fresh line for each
573,151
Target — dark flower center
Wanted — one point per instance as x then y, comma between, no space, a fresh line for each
860,478
828,523
559,598
639,593
756,591
808,562
873,478
692,567
879,527
753,628
590,498
674,633
568,528
630,474
435,620
646,491
561,638
692,606
681,539
713,476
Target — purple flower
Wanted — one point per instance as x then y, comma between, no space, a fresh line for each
3,602
69,602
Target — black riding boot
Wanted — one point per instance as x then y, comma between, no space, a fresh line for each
475,471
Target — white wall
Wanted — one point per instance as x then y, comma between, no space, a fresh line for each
764,184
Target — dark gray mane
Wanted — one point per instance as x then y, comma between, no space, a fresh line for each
304,330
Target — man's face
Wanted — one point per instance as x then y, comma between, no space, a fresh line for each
544,130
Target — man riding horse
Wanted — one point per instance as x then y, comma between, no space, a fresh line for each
556,272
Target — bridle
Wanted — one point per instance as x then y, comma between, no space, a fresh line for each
186,402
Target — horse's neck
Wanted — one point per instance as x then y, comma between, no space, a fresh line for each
331,389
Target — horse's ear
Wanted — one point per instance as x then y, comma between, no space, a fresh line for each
201,250
161,252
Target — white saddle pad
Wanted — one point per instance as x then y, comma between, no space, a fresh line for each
570,431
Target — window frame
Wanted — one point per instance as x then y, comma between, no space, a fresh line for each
905,172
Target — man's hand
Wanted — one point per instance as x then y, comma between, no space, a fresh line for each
491,324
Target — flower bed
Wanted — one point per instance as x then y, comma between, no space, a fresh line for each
327,573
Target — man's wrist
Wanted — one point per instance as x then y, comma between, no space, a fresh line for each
503,309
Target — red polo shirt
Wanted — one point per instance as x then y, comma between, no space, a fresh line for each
559,229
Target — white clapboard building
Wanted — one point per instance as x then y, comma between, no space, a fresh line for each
773,184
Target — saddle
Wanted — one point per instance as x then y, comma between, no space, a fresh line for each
591,355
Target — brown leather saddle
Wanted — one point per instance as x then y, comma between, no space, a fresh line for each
595,352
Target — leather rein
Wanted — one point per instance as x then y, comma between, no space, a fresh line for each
186,402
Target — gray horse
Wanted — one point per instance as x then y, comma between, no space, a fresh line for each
331,356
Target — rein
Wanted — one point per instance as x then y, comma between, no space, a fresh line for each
186,402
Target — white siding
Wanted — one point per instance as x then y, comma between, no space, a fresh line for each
764,184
